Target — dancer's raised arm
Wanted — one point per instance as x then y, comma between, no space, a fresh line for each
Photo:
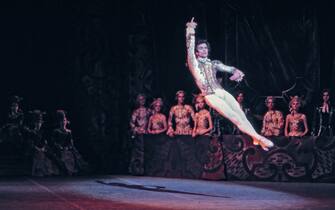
190,44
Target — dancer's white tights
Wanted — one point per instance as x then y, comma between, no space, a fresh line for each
224,103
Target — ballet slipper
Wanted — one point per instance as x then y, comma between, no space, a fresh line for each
265,143
264,147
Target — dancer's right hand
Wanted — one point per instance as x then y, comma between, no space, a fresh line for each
191,24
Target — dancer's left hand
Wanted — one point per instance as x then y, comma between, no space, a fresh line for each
237,76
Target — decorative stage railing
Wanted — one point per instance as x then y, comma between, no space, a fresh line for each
233,157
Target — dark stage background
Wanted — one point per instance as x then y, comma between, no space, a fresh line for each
92,57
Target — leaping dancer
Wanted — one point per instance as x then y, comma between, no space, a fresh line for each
204,72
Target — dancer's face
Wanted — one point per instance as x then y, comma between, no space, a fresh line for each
325,96
64,122
240,98
157,108
270,104
202,50
200,103
141,100
295,105
180,98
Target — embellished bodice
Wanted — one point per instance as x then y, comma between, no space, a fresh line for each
182,116
273,123
296,125
139,120
201,118
157,121
206,79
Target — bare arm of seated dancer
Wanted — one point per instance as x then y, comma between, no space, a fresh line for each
287,125
170,130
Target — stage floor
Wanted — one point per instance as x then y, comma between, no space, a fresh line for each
129,192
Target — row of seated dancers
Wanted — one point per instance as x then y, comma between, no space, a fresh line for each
179,122
47,154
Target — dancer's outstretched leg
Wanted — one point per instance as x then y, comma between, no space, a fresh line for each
231,101
226,105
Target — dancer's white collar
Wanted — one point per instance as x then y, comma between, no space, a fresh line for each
203,60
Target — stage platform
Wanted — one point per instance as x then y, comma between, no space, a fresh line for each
234,157
131,192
